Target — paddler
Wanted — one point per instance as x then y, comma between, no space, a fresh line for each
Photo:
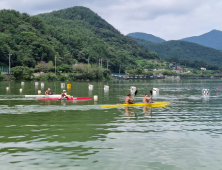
147,99
128,100
48,92
63,95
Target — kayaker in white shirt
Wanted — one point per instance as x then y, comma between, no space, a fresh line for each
48,92
63,95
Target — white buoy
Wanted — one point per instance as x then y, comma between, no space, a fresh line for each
90,87
155,91
132,89
39,91
22,83
95,98
7,88
205,92
42,84
106,88
20,90
36,83
62,85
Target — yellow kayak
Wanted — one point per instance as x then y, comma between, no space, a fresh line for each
139,104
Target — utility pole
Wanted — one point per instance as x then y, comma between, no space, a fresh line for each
9,62
119,68
88,64
107,63
101,62
55,64
88,61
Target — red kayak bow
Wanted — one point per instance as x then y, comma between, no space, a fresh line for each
71,98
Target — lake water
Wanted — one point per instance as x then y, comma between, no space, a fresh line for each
81,135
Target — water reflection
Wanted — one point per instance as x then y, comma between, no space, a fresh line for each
205,99
90,93
134,111
129,111
147,110
106,94
63,102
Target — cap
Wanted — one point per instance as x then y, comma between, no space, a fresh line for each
49,89
129,94
146,94
64,90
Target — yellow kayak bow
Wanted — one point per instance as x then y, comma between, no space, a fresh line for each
157,104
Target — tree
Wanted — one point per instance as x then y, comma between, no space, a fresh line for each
147,73
44,66
21,72
139,71
65,68
131,72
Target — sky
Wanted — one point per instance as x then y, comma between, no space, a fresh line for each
167,19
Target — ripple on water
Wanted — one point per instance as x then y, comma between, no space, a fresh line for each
185,135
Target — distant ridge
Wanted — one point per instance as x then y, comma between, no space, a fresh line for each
144,36
211,39
183,50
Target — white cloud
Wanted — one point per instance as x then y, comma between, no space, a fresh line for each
168,19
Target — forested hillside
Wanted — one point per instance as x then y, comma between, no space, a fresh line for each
25,37
211,39
73,34
144,36
96,38
183,50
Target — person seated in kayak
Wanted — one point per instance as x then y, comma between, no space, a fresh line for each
63,95
48,92
147,99
128,100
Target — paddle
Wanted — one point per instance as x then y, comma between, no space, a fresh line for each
151,92
136,92
134,95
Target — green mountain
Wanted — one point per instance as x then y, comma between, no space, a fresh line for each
73,34
211,39
25,38
183,50
144,36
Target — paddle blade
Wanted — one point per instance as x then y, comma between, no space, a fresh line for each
136,92
151,92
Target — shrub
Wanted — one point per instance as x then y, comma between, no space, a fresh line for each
71,77
51,77
21,72
43,77
62,78
2,77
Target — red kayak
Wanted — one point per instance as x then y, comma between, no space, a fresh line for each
71,98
